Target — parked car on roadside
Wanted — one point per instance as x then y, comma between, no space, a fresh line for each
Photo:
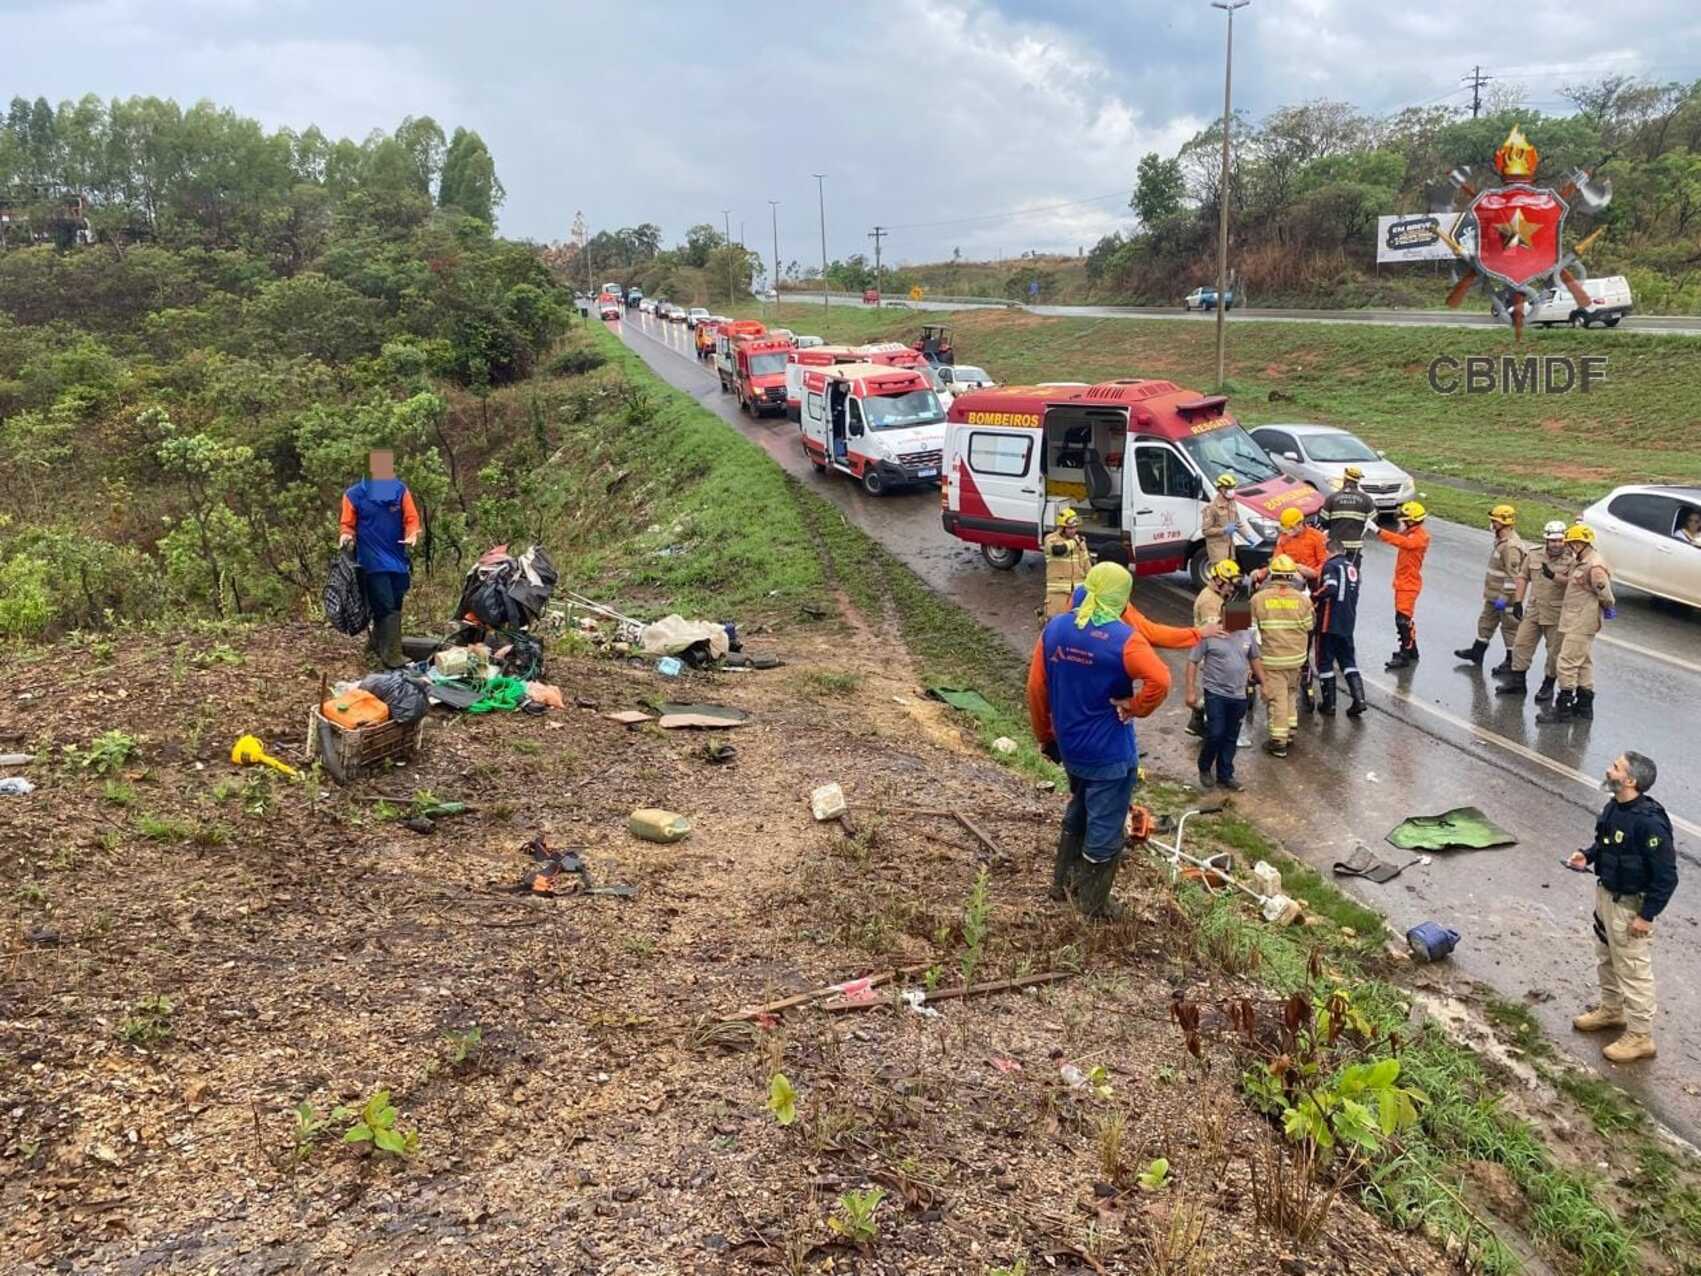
676,314
960,378
1609,301
646,306
1320,454
1206,299
1638,531
871,296
809,343
695,315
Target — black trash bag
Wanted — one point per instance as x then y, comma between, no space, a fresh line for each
345,600
403,693
503,591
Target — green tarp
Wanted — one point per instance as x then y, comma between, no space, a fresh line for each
1462,828
964,699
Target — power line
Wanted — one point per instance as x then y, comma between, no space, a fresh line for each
1476,80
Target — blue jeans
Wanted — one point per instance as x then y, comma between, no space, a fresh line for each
1098,813
1223,716
384,592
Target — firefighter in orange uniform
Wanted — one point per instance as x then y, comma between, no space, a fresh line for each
1412,542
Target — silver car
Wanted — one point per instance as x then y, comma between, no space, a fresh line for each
1320,454
1651,538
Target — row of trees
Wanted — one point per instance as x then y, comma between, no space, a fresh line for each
1308,182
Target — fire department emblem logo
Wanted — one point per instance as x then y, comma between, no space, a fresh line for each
1511,235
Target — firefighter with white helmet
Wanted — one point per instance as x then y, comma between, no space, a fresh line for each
1588,601
1499,611
1541,594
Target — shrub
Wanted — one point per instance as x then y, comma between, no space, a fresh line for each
26,606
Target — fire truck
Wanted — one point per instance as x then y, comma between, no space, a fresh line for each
751,363
1138,459
882,426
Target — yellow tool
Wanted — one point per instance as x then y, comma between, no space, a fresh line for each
248,750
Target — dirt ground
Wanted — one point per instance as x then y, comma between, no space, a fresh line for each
609,1118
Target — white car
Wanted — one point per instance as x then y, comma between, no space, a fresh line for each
1639,531
960,378
1609,301
809,343
695,314
646,307
1320,454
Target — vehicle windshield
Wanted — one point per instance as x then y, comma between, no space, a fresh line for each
968,372
762,365
895,411
1339,448
1228,449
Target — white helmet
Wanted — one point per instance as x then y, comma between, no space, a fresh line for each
1553,530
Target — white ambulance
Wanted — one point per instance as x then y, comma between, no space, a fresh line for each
881,425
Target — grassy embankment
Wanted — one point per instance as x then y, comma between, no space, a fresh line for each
702,486
1550,454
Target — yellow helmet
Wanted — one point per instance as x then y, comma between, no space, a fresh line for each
1580,532
1067,517
1353,472
1413,511
1282,565
1226,570
1291,518
1225,482
1503,514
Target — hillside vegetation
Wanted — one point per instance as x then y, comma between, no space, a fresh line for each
182,400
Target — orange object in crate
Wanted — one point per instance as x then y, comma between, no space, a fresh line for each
355,708
1139,823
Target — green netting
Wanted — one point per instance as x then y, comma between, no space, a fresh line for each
1462,828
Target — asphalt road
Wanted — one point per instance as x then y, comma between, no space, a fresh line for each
1683,325
1436,737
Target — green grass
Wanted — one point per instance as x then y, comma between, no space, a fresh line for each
1519,1026
826,682
1552,455
1612,1111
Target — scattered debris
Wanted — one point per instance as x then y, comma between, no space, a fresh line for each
963,698
16,759
718,752
1462,828
553,866
669,667
655,825
804,998
838,1004
1430,941
827,803
248,751
1004,744
1279,910
629,717
1268,877
974,830
15,786
713,717
1364,863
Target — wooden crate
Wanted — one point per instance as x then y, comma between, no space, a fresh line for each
348,755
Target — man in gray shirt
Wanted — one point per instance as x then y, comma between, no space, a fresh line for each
1226,664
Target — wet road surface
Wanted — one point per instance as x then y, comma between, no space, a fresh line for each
1436,737
1681,325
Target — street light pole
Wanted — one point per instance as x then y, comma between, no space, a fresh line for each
821,195
774,283
1227,7
726,213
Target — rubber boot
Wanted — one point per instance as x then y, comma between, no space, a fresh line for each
1276,748
1583,706
1355,689
1326,697
1544,693
1067,866
1560,710
1093,883
1515,683
1473,654
1505,665
1307,700
1196,724
389,631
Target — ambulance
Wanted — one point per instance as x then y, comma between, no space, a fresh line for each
1138,460
800,361
882,426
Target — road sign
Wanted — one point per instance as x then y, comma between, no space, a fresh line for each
917,292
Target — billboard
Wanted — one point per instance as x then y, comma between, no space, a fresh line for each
1415,237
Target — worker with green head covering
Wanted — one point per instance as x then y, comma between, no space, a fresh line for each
1082,700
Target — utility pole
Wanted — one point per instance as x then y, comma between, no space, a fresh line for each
876,235
1476,79
774,283
726,214
821,195
1223,189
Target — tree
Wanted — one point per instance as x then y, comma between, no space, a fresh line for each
469,178
422,140
701,240
1158,188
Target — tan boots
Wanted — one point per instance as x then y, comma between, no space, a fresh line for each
1628,1048
1599,1019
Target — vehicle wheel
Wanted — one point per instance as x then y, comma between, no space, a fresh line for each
820,466
1197,566
1579,321
873,483
1613,321
1001,557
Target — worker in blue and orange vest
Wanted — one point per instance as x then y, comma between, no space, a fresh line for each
381,523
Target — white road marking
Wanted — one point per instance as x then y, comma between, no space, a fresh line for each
1649,652
1484,735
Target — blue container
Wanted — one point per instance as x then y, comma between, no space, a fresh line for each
669,667
1431,942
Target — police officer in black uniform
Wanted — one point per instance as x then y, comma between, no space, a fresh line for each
1336,601
1347,511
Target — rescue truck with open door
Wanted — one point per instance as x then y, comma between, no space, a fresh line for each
880,425
1138,459
800,360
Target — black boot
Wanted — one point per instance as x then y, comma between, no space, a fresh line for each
1505,665
1326,697
1092,890
1067,866
1403,658
1583,706
1307,701
1355,689
1473,654
1515,683
1276,748
1544,693
1560,710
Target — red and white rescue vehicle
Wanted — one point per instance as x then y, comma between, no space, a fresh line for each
1139,460
752,365
881,425
800,361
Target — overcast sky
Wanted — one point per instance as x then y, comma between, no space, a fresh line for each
939,118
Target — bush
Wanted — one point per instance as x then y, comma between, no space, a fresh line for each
25,605
575,363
